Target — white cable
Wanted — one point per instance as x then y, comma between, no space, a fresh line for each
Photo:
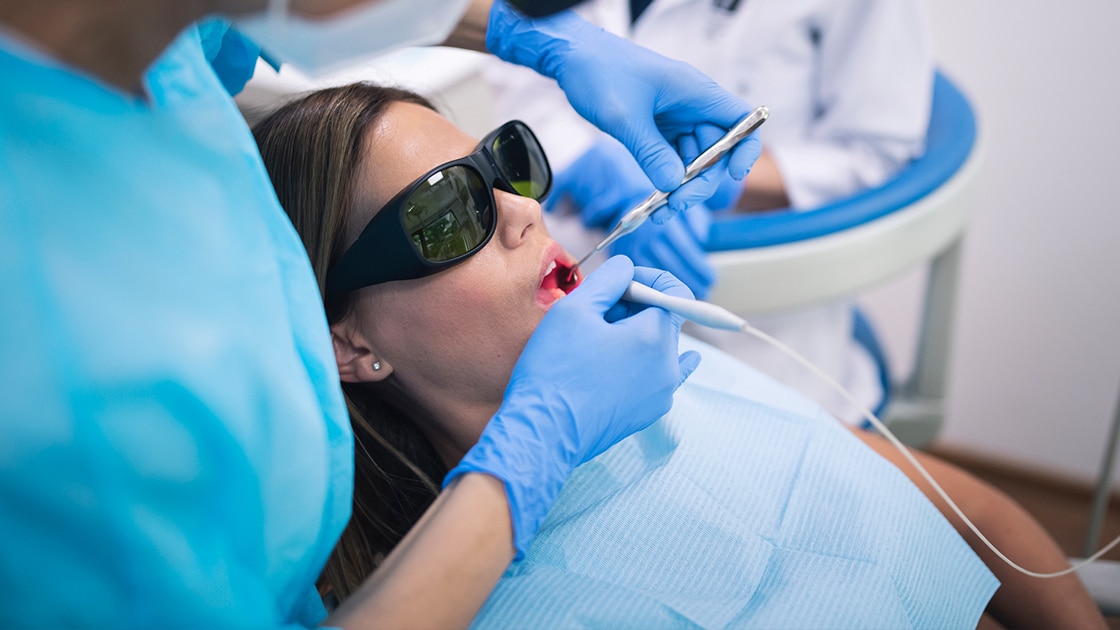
708,314
882,429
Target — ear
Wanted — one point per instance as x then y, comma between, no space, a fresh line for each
356,358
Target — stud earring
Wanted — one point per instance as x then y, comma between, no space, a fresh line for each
376,366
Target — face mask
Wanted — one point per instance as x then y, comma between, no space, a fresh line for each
320,45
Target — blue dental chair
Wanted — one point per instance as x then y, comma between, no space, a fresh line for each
787,259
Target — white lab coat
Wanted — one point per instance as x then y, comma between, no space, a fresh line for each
849,86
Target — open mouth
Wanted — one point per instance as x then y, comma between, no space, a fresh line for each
560,279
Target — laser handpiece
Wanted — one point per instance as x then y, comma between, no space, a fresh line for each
703,313
634,218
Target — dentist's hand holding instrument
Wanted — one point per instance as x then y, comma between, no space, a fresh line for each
552,418
636,217
653,105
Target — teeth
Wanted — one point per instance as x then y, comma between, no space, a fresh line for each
551,267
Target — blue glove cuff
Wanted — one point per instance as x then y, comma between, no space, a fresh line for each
531,472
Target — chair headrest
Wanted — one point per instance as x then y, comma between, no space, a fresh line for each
949,140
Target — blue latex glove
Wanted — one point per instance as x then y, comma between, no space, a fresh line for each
677,247
595,371
601,184
727,193
648,102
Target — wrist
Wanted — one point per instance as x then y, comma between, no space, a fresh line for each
536,43
531,463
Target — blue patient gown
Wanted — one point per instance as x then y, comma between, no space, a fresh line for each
746,506
174,448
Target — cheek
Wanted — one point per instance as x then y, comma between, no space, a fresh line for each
478,314
491,299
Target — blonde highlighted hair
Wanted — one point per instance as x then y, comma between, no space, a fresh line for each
313,148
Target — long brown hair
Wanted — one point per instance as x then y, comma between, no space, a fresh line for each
312,148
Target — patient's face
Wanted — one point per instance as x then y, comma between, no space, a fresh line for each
461,330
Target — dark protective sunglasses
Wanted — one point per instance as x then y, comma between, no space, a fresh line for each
446,216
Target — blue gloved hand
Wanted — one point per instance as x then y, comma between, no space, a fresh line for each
648,102
602,184
595,371
727,193
677,246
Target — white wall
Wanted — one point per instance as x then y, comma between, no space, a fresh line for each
1036,364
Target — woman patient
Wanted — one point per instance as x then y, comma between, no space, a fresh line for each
744,506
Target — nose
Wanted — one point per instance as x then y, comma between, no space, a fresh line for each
517,218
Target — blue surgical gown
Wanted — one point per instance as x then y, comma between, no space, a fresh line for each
174,447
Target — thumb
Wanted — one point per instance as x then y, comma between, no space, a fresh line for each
603,288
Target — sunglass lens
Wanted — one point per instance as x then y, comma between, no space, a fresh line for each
450,214
521,159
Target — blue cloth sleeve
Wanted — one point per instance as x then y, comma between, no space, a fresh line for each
172,451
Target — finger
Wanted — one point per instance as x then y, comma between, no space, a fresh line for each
659,280
630,250
662,215
707,134
743,157
705,184
689,147
703,137
652,321
717,106
603,288
662,281
624,309
699,189
688,361
654,154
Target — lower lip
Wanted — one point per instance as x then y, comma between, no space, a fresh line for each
548,297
